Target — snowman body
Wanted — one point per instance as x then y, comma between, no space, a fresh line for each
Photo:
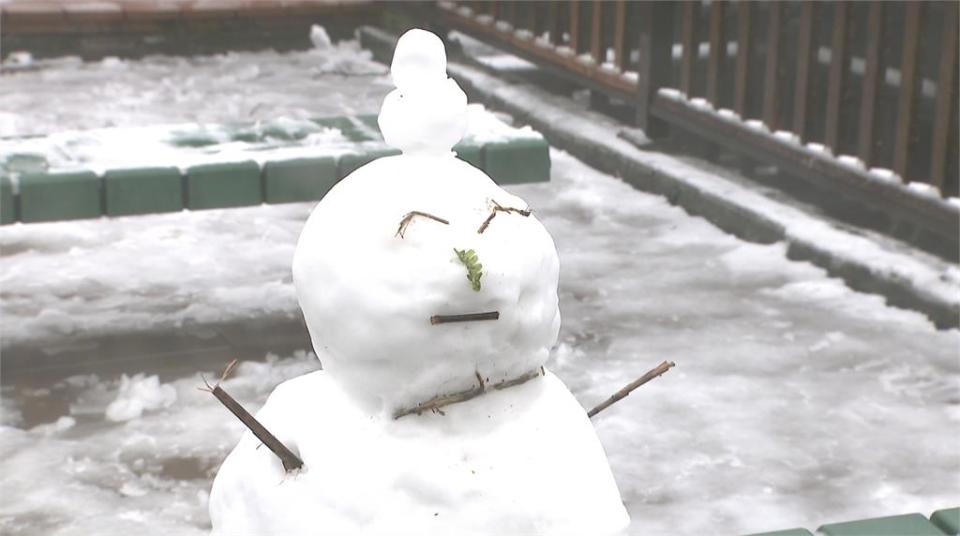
378,259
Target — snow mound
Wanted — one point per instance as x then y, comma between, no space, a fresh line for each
139,394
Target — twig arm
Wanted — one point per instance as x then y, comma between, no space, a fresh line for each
622,393
289,460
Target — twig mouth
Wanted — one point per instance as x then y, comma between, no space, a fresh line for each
468,317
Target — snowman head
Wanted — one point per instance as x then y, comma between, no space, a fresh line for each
427,112
368,291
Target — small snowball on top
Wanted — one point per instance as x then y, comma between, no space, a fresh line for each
427,113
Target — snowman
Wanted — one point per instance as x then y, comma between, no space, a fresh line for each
430,295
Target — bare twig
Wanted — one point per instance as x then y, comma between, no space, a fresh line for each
290,460
622,393
409,217
437,402
497,207
470,317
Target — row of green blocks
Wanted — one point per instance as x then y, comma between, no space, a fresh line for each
84,194
941,522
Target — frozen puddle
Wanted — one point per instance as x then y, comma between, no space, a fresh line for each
795,400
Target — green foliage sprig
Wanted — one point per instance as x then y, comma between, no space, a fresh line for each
474,268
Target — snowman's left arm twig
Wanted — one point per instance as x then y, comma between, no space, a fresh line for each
656,372
289,460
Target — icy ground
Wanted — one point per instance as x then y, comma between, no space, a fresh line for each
795,400
50,96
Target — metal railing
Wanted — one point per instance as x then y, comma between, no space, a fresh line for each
861,96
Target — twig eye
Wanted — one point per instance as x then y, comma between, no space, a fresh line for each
402,228
497,207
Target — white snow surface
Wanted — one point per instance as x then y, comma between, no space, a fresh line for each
792,394
68,94
138,394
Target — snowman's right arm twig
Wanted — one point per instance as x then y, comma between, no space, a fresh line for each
289,460
622,393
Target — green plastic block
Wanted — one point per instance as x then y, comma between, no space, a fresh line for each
471,154
904,525
143,191
350,162
7,204
234,184
517,161
59,196
354,129
948,520
371,125
301,179
788,532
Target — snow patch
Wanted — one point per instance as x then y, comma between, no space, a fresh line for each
138,394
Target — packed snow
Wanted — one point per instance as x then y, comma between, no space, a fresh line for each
796,401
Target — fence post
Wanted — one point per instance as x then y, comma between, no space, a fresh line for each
946,107
656,43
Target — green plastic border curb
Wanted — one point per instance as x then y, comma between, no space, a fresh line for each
352,161
142,191
517,161
906,524
59,196
120,192
227,185
8,207
947,520
299,179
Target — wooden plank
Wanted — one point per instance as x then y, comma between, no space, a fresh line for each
801,97
906,107
621,50
718,51
946,98
553,22
741,78
771,81
656,49
513,14
596,33
872,80
839,63
533,18
688,39
575,41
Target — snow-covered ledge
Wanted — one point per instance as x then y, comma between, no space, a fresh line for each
915,281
